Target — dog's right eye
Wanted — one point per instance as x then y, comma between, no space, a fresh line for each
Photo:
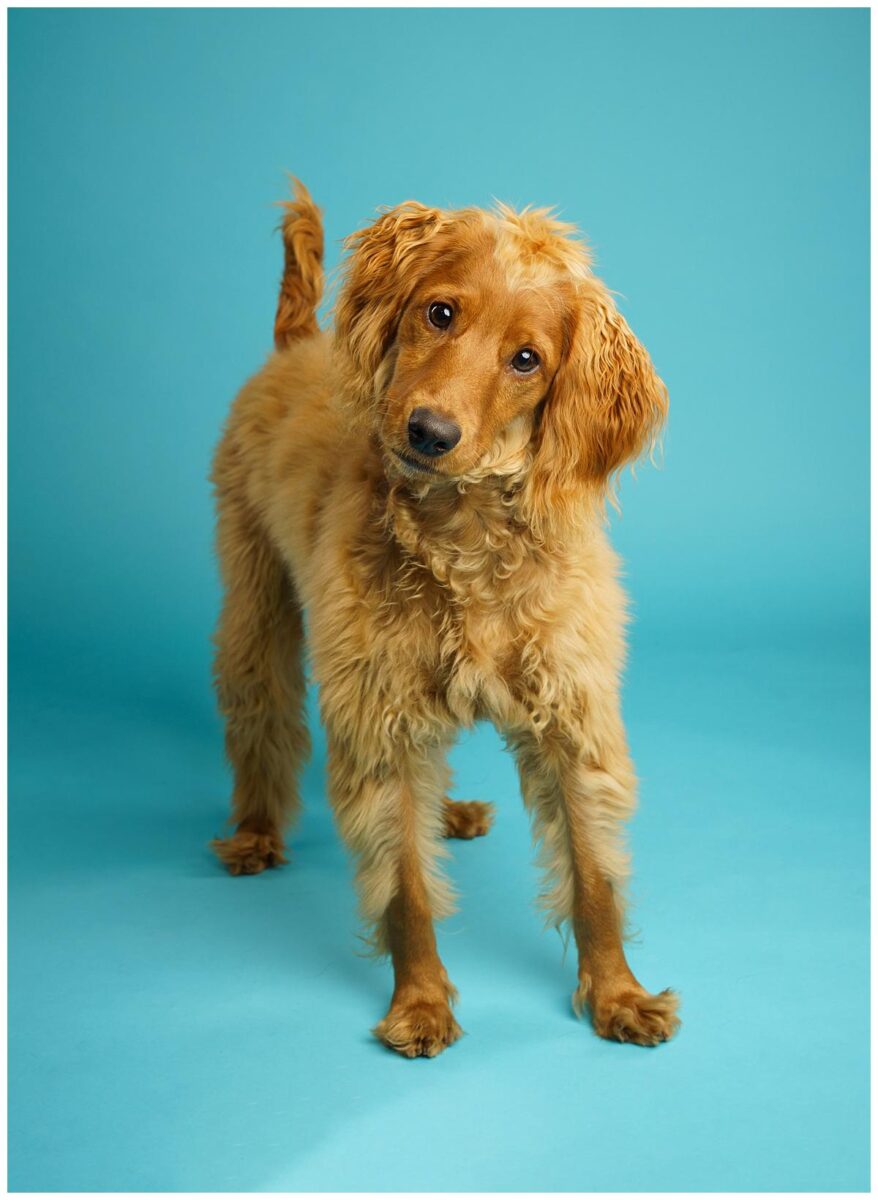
440,314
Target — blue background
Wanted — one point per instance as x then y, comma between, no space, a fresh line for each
172,1028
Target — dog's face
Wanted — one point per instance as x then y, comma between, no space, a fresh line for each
472,358
478,340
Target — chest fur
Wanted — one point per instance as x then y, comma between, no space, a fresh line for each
486,622
431,619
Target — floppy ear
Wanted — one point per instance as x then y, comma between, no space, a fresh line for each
386,261
605,406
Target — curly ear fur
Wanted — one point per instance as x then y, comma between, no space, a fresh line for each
605,407
386,261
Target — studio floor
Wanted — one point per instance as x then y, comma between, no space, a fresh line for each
176,1029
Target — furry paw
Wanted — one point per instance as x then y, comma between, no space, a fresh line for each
246,853
634,1016
419,1029
467,818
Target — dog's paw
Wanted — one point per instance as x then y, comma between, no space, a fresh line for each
246,853
419,1028
633,1015
467,818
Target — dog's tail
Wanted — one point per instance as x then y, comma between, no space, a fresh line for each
302,284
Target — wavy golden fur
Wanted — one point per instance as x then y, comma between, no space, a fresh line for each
443,585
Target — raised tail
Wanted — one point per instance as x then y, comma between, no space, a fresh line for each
302,284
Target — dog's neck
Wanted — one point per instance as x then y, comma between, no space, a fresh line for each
468,534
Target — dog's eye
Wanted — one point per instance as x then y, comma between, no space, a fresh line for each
525,360
440,314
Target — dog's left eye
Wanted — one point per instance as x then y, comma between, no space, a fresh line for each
525,360
440,314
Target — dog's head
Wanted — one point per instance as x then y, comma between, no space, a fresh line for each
473,340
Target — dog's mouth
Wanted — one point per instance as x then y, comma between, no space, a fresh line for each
413,465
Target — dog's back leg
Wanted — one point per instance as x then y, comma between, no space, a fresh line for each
467,818
258,669
260,684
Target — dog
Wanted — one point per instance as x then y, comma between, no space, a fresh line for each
428,483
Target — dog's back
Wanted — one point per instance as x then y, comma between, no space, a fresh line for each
283,425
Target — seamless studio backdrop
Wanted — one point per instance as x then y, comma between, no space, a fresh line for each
176,1029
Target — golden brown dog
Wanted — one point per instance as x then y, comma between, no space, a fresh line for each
428,484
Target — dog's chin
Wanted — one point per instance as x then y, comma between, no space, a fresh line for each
401,462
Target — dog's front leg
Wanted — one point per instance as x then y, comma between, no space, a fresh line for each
420,1020
392,815
580,799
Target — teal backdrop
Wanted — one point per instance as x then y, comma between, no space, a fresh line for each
175,1029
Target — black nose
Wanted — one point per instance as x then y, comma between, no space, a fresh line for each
431,434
